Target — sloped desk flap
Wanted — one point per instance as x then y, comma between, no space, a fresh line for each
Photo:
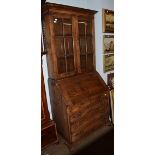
81,86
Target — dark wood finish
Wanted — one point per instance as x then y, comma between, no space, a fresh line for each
79,96
53,7
69,40
48,127
48,134
80,105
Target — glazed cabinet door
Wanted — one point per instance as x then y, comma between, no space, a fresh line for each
86,44
64,44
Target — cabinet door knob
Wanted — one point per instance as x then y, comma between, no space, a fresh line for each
105,94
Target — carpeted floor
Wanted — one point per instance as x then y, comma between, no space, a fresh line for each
100,142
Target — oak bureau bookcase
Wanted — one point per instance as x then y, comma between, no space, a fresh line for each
79,96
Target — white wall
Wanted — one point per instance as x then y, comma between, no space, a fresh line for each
98,5
45,72
93,5
76,3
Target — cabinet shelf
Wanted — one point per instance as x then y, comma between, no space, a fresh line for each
85,35
63,36
65,56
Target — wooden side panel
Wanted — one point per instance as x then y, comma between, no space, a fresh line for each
48,47
59,109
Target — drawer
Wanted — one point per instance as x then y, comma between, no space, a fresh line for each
86,131
87,113
48,135
97,104
85,104
86,121
102,100
80,104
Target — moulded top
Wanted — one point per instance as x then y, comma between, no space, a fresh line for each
50,6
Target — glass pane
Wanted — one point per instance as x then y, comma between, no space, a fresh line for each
67,27
70,63
85,43
83,62
89,44
61,65
90,62
82,28
68,45
59,45
82,44
58,26
88,28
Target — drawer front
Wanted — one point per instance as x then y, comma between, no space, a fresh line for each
81,103
48,135
86,130
85,122
96,104
83,115
85,118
